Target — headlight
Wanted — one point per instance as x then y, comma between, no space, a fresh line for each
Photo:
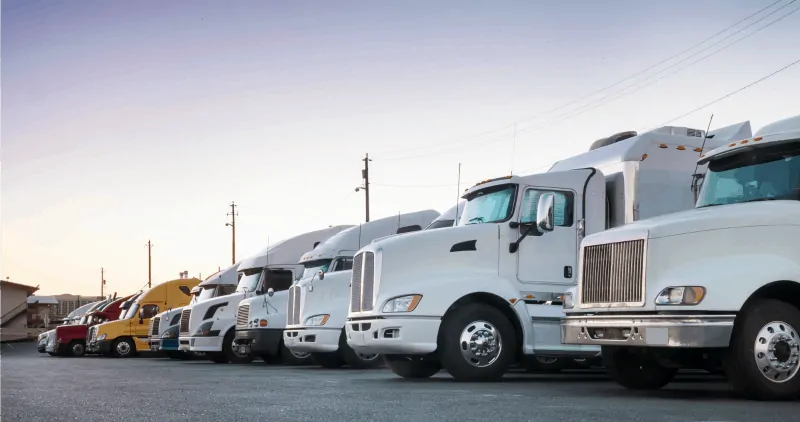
682,295
568,303
317,320
204,330
101,337
402,304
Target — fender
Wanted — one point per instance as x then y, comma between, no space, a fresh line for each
730,279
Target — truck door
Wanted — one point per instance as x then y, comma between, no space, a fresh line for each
141,323
548,261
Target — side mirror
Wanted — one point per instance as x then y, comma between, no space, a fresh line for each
545,213
321,275
270,292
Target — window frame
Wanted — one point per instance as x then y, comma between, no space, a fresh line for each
569,195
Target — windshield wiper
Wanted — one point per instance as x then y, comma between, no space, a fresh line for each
759,199
476,219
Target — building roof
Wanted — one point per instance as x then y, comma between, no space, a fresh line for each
42,300
11,284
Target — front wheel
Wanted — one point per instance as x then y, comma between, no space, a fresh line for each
123,348
231,353
355,359
411,366
77,348
292,358
478,343
636,371
762,360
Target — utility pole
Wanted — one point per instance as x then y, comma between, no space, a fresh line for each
365,176
232,224
102,280
149,265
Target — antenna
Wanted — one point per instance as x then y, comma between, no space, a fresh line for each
458,189
513,149
695,186
398,221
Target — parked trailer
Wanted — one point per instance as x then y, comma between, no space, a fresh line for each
209,326
719,284
316,308
478,297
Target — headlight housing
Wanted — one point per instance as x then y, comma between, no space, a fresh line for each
317,320
101,337
172,332
569,303
681,295
401,304
204,330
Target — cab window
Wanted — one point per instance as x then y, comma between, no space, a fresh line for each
148,311
278,280
562,209
343,264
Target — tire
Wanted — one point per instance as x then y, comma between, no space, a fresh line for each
636,371
230,353
293,358
354,359
412,367
457,347
767,330
123,348
76,348
330,360
544,365
52,353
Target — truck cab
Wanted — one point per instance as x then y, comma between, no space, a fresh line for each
316,308
476,298
209,326
71,339
128,335
47,340
164,329
714,286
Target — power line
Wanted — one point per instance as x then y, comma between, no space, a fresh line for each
450,185
730,94
458,141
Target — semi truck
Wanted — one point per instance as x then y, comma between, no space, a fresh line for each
714,286
71,339
476,298
47,340
315,308
208,327
164,329
128,335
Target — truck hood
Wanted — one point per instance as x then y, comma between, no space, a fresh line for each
72,331
329,296
766,213
106,327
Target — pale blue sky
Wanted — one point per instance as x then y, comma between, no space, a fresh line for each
129,121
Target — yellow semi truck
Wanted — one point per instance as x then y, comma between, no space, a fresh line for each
128,335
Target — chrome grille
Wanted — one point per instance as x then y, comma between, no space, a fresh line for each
184,328
613,274
296,304
368,283
92,333
242,315
355,284
154,323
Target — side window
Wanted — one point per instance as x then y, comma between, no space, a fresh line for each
148,311
278,280
343,264
563,206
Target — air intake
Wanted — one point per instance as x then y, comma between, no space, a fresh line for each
612,139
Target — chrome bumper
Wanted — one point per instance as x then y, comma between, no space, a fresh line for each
696,331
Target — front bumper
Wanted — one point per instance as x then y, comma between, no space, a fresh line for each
154,343
170,344
259,341
312,340
41,347
680,331
102,347
201,344
394,335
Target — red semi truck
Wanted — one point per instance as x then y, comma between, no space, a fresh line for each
71,339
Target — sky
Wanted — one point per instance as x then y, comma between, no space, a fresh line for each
124,122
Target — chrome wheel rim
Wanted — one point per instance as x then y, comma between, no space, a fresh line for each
300,355
777,351
123,348
235,350
367,357
481,344
546,360
77,349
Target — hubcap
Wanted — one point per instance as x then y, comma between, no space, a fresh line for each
300,355
546,360
123,348
481,344
777,351
77,348
367,357
236,350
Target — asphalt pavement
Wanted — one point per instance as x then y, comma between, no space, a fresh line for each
38,387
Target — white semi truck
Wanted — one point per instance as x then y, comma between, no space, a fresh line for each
718,284
164,326
316,309
478,297
209,327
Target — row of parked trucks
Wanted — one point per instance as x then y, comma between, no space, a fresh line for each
652,252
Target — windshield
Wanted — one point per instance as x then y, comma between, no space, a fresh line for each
132,311
206,293
489,205
763,174
314,267
83,320
249,280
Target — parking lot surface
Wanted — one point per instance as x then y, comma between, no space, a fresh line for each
40,387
